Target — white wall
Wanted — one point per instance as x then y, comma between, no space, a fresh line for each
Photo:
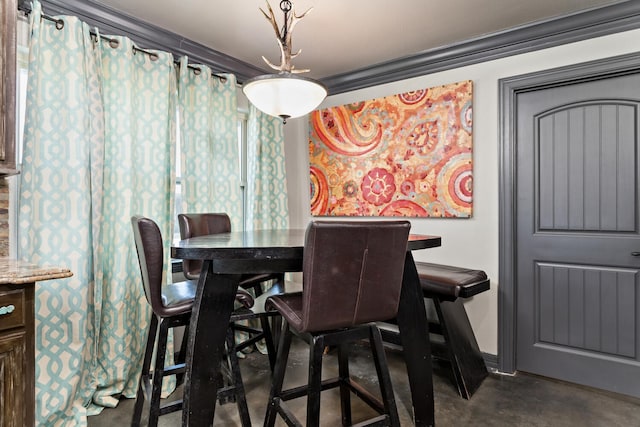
465,242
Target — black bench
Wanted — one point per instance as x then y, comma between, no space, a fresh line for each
447,286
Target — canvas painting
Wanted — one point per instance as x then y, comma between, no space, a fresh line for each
407,155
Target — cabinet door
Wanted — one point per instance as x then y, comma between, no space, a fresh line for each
12,359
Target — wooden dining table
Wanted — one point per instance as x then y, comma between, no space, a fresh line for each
226,256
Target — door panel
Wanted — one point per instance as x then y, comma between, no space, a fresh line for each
583,185
584,305
578,287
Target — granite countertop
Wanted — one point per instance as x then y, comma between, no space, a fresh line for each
14,271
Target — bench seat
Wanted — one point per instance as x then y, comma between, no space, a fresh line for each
446,281
447,286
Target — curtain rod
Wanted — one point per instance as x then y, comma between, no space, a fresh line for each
114,44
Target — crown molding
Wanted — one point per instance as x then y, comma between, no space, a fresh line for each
527,38
146,35
571,28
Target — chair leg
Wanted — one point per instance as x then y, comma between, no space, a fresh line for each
182,354
276,321
284,345
158,373
268,340
238,385
345,392
315,381
382,368
276,329
224,379
146,371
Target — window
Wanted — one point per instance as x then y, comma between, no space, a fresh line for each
242,160
242,150
177,207
22,72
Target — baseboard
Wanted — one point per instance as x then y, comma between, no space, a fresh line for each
491,361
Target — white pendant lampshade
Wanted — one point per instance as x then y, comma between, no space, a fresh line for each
284,95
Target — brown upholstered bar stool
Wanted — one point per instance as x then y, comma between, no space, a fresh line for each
200,224
352,277
171,307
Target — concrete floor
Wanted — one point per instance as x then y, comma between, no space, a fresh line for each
521,400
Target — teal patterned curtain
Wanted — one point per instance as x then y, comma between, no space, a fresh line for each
62,162
139,93
98,148
267,206
209,143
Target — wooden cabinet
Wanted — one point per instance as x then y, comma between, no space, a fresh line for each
17,338
17,360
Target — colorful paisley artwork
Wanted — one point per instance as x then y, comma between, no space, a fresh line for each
403,155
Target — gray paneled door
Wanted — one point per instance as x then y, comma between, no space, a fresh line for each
578,242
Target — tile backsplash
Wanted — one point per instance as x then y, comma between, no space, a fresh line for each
4,218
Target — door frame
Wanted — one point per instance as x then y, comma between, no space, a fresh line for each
509,88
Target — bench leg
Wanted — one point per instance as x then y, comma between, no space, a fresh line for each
466,359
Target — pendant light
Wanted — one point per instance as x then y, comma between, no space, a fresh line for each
285,94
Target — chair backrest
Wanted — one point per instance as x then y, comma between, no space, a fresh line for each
200,224
148,239
352,272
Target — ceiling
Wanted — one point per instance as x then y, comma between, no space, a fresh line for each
340,36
